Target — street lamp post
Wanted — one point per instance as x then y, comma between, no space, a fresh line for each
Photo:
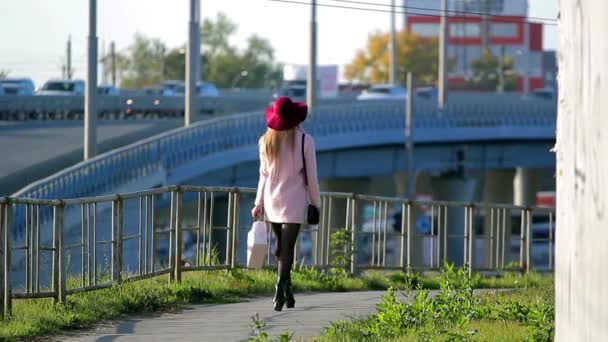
311,83
409,141
193,57
90,111
393,47
443,67
526,58
238,77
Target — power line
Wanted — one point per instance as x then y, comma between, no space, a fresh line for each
509,20
438,10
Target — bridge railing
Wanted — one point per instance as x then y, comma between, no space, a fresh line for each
169,150
174,148
96,242
134,105
128,106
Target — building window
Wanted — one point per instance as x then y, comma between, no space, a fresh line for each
425,29
504,30
483,6
464,30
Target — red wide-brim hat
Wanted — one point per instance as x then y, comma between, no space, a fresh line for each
285,114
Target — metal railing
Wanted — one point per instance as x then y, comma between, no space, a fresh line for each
42,107
127,106
170,150
93,243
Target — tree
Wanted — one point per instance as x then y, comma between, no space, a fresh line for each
142,64
217,34
4,73
148,61
487,70
414,54
226,66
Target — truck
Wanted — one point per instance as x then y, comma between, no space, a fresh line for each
295,79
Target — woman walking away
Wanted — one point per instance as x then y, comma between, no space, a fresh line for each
288,184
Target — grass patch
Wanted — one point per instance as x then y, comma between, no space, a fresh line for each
39,317
455,313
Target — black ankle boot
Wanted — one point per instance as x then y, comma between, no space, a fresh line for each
279,295
289,300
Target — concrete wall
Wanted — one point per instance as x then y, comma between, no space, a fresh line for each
582,176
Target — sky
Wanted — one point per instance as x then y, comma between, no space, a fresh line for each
33,33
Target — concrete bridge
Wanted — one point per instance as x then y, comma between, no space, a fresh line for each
354,139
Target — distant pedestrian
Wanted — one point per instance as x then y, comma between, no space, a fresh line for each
288,184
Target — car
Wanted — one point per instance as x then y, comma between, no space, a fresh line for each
63,87
294,90
384,92
427,92
175,87
202,88
545,93
157,91
207,89
18,86
107,90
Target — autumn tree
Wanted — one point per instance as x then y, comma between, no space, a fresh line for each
414,54
488,73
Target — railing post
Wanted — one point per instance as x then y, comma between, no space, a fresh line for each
353,235
58,286
6,248
409,236
2,275
117,217
235,229
465,260
528,241
229,224
178,236
471,236
402,261
522,241
492,242
172,238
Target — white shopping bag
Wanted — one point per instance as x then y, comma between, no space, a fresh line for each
257,244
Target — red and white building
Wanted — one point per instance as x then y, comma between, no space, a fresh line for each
507,33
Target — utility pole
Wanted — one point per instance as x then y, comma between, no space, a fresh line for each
311,83
393,48
404,14
104,63
501,70
485,26
193,57
409,141
90,100
526,58
69,59
113,61
443,67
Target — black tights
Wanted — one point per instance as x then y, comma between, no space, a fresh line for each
287,234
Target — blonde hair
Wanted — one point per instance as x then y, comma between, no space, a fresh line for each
272,140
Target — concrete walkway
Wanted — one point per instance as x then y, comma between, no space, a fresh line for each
230,322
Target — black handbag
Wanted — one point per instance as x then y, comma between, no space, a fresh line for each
312,214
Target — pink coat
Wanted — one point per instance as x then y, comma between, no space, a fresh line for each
281,189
